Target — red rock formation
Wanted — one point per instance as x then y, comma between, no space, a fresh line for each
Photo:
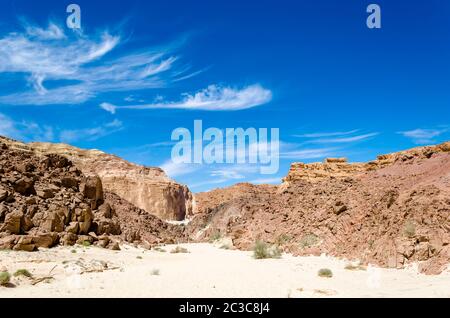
148,188
390,211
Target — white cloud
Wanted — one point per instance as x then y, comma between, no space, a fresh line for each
78,65
108,107
327,134
53,32
91,134
213,98
8,127
174,170
25,130
340,140
305,154
423,136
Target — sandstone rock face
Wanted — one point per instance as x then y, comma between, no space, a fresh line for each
390,212
147,188
340,168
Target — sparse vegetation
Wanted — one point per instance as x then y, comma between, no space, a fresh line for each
215,237
262,250
178,250
86,243
409,229
159,249
5,278
352,267
73,251
283,239
155,272
309,240
325,272
23,272
139,257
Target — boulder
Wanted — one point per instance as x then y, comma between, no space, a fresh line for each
68,239
45,240
13,222
114,246
105,211
24,186
72,228
70,182
92,189
52,222
25,243
84,218
107,226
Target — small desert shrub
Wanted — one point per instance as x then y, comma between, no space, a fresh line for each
215,237
352,267
325,272
23,272
5,277
179,249
262,250
139,257
283,239
159,249
73,251
409,229
155,272
309,240
86,243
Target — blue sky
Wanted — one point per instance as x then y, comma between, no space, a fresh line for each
310,68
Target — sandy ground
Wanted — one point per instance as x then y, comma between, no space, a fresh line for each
206,271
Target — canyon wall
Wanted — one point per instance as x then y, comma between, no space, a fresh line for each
147,188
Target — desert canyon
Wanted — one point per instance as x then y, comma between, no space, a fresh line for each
63,207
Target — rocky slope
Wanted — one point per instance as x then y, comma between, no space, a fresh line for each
147,188
391,211
46,200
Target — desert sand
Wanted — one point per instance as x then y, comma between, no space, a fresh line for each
206,271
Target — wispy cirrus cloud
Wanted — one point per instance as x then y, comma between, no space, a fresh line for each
25,130
91,134
212,98
423,136
342,137
327,134
32,131
340,140
62,68
307,154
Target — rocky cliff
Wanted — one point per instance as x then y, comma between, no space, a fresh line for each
391,211
148,188
339,167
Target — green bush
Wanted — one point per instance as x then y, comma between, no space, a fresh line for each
309,240
215,237
262,250
283,239
179,249
409,229
325,272
23,272
5,278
